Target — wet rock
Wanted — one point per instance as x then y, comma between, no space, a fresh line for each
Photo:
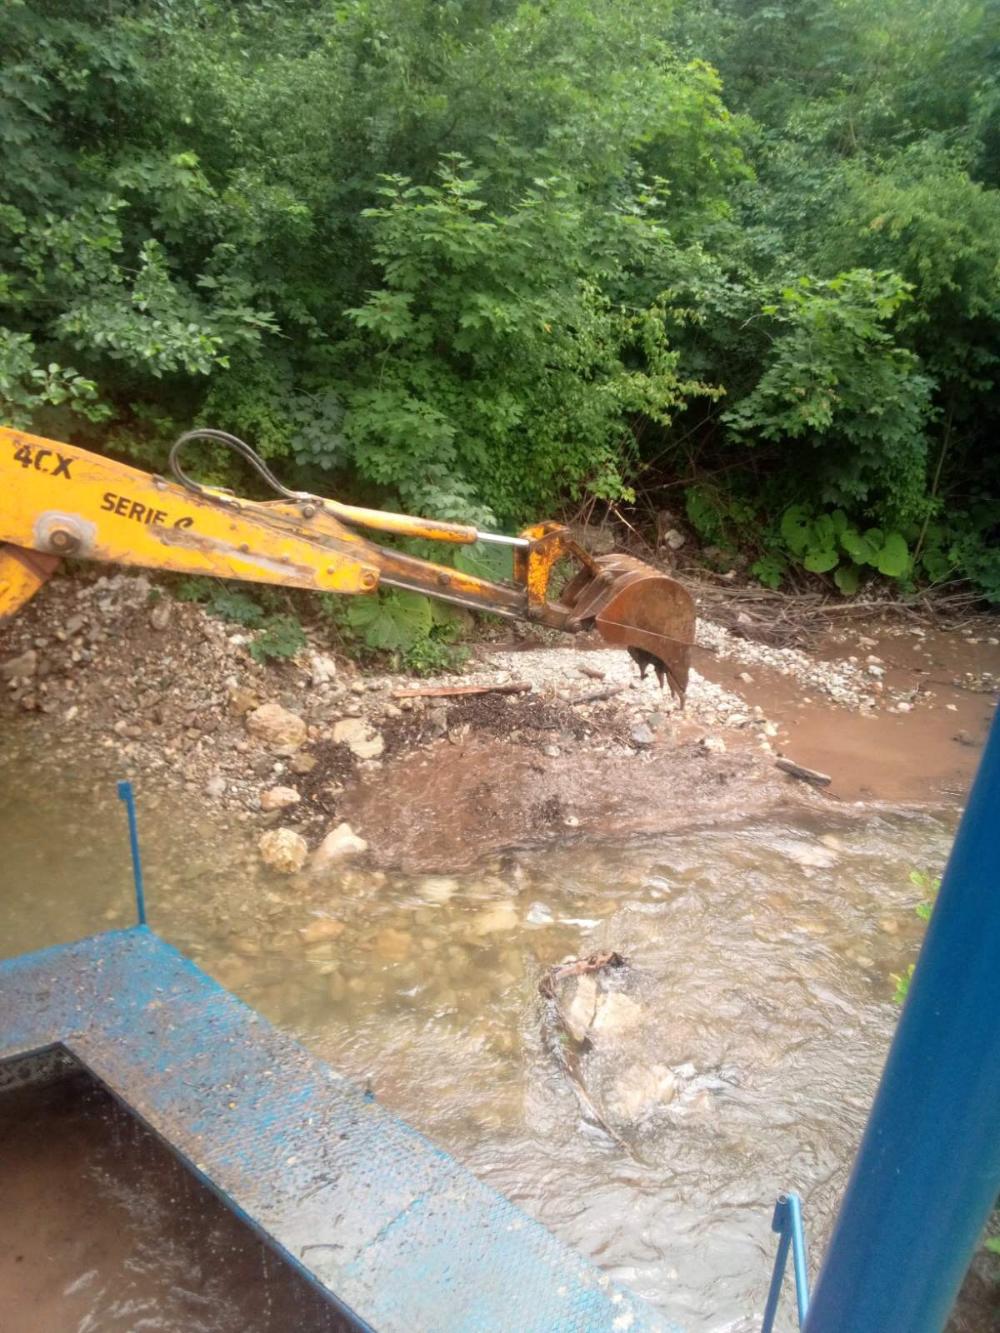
539,915
393,945
642,737
641,1089
279,798
493,920
20,667
283,850
280,729
816,858
322,929
159,617
338,844
437,888
616,1013
363,741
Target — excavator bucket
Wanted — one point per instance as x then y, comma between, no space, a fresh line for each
638,608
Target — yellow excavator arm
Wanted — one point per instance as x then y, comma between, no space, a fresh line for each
58,500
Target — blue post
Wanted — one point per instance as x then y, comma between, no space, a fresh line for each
927,1173
125,794
787,1222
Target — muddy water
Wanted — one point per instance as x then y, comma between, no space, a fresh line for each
103,1231
760,958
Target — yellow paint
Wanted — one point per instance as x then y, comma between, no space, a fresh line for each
55,497
18,583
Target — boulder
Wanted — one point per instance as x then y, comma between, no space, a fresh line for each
363,741
338,844
283,850
280,729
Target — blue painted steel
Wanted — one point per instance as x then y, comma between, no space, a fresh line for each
787,1222
126,794
928,1170
365,1207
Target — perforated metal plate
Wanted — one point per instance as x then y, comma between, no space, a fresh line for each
388,1224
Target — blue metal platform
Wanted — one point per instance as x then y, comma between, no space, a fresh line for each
391,1227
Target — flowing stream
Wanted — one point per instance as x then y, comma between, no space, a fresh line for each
760,961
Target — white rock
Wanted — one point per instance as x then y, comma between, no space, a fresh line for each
640,1089
713,744
903,707
616,1013
215,786
279,728
322,668
363,741
539,915
674,539
338,844
283,850
437,888
279,798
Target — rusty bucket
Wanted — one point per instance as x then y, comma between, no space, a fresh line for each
638,608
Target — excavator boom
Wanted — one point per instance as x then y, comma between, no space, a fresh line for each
59,500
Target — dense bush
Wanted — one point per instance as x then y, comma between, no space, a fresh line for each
480,258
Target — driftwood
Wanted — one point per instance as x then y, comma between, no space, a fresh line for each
592,696
804,774
455,691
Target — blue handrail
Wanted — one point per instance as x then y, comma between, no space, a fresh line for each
126,794
787,1222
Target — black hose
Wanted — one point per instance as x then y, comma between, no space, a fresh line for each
231,442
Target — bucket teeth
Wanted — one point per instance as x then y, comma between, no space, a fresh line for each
635,606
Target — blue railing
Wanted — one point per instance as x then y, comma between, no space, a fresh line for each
787,1222
126,794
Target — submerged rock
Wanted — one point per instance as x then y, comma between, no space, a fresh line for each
616,1013
283,850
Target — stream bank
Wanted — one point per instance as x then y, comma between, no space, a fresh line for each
107,666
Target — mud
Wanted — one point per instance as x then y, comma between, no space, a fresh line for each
925,755
448,806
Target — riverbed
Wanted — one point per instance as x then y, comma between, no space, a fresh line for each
763,955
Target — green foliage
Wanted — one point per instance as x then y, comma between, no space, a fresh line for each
480,260
837,382
418,633
280,637
928,884
279,633
827,542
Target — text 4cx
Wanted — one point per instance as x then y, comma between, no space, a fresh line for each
43,460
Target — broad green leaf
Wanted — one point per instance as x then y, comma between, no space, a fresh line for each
818,562
846,578
894,557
